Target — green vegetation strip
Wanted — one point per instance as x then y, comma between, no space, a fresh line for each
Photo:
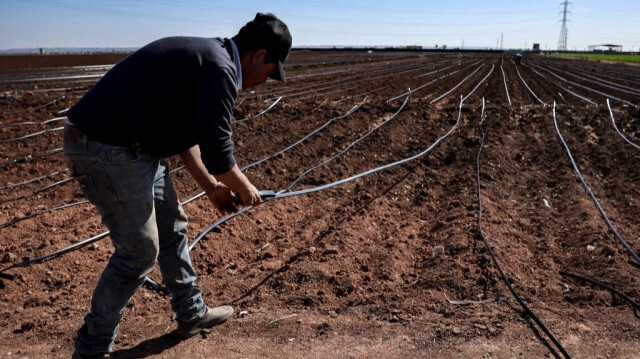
604,57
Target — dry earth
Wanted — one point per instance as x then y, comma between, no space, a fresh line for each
362,269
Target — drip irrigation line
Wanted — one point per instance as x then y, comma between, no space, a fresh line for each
260,114
617,130
393,83
527,86
275,196
586,87
318,74
306,88
106,233
562,97
486,301
428,83
32,122
456,86
37,107
32,134
22,196
608,84
358,78
35,214
55,78
493,257
29,157
506,89
348,113
11,185
265,134
282,123
374,170
593,197
634,305
324,94
348,179
479,83
348,147
601,72
566,89
54,254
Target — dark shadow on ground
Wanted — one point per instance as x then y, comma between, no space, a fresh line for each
149,347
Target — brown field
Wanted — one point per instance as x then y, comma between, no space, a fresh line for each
362,269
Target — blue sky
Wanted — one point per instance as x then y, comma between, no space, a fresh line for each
133,23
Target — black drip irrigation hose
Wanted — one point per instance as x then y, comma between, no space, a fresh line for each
30,157
564,88
273,129
106,233
390,84
353,80
593,197
634,305
608,84
586,87
348,147
617,130
56,119
430,82
527,86
493,257
260,114
51,255
269,196
32,135
11,185
456,86
11,199
38,107
35,214
332,120
504,78
172,171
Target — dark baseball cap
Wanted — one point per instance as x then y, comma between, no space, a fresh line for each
273,35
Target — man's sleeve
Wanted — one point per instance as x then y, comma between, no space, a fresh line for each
216,96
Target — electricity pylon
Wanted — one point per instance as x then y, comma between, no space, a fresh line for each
562,42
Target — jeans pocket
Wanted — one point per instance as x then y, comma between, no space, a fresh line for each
118,155
90,191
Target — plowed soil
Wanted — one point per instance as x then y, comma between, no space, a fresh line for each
364,269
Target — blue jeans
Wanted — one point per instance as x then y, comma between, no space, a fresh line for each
134,195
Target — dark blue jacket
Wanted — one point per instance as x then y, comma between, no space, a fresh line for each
166,97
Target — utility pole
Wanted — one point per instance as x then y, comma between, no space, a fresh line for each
562,42
501,40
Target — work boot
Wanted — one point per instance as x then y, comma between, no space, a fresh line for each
77,355
213,316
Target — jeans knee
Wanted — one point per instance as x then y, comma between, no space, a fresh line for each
146,259
137,264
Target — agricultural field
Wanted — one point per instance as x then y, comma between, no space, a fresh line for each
417,195
604,57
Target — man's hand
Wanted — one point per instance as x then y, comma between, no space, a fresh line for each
223,199
220,188
250,197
